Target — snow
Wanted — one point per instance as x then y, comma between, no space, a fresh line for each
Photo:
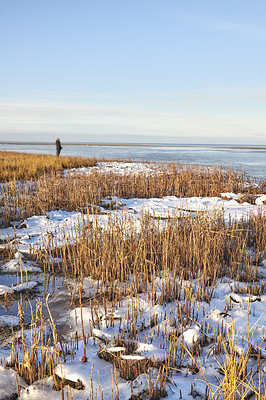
132,357
101,335
87,373
115,349
8,383
261,200
17,265
117,168
18,288
190,337
53,228
237,312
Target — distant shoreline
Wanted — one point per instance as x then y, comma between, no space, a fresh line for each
220,146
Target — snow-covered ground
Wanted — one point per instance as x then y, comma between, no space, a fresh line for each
118,168
39,231
246,315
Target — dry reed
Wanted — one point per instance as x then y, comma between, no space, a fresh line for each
201,248
78,192
24,166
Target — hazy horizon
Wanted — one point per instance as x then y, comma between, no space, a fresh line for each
120,143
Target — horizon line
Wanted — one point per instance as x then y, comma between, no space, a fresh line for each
131,144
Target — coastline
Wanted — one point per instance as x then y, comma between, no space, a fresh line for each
102,144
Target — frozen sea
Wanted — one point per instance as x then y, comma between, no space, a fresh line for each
252,159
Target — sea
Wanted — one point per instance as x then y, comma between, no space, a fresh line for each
251,159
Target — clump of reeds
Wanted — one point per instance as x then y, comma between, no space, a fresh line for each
85,192
34,358
237,379
130,366
199,247
202,248
24,166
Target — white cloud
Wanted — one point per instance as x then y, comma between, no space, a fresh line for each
214,114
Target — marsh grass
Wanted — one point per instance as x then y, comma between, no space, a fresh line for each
175,262
57,190
188,250
237,377
33,359
24,166
199,247
135,259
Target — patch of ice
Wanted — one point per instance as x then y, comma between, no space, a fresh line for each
42,390
9,320
5,289
18,288
8,383
18,255
26,286
91,286
87,317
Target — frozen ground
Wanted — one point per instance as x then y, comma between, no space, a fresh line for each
51,228
98,377
119,168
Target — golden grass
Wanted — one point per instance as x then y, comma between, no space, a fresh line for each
23,166
126,262
55,190
199,247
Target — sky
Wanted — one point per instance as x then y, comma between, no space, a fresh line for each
155,71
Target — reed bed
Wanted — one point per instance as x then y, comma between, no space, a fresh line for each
192,251
200,247
177,261
24,166
34,359
78,192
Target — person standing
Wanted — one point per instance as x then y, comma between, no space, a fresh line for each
58,147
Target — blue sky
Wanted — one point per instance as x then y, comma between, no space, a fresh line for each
133,71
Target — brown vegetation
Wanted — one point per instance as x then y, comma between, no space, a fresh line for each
23,166
127,262
58,190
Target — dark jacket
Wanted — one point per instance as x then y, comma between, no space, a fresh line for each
58,147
